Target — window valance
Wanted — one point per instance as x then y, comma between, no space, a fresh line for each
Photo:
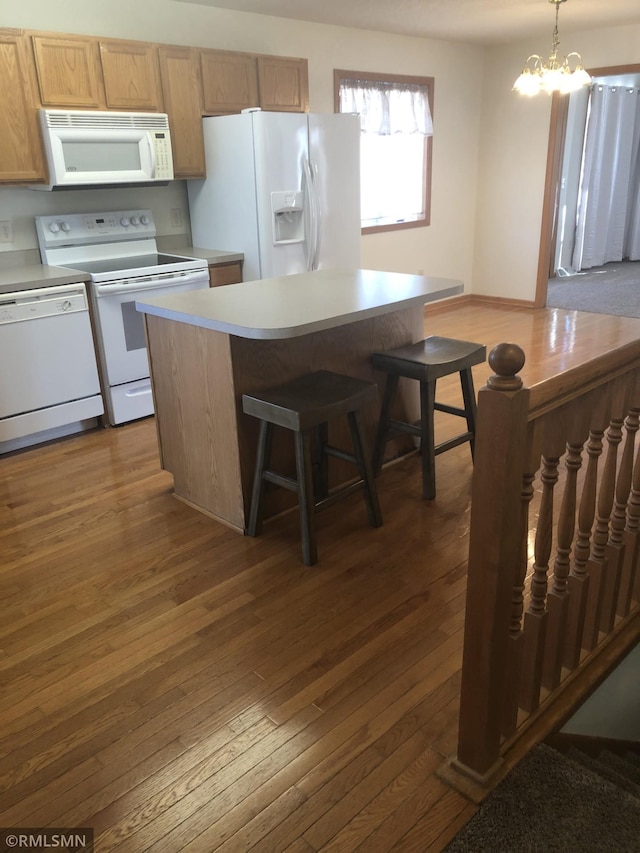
387,108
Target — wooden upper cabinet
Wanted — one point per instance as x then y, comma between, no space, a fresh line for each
91,73
180,78
283,84
69,73
131,75
21,157
229,81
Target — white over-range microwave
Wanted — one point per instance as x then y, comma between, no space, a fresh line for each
90,149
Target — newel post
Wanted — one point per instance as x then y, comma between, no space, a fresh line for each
495,553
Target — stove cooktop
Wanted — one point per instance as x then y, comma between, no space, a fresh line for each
117,245
133,265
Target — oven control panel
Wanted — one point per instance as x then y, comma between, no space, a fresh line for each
81,229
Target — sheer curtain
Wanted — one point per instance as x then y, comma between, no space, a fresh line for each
387,108
608,221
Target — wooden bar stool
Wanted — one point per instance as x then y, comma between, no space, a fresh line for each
427,361
305,406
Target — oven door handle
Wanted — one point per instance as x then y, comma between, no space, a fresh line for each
199,277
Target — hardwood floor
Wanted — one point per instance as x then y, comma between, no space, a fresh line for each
177,686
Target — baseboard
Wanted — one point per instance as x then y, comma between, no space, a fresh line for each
466,299
447,304
502,301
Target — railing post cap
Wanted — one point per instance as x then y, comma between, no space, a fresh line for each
506,360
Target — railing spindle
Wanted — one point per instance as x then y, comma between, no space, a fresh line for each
607,554
631,515
594,563
558,597
535,620
516,633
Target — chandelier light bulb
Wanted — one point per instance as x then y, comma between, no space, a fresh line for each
528,83
553,79
552,75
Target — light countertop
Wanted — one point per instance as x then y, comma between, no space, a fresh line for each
34,276
213,257
294,305
29,276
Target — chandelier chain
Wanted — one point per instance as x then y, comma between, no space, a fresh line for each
556,35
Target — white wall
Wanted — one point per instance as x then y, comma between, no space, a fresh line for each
445,248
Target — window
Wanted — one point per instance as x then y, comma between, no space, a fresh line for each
395,146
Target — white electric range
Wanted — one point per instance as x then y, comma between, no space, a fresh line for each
118,250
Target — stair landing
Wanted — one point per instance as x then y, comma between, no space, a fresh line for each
612,711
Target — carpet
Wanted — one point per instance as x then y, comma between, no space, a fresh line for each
611,289
556,802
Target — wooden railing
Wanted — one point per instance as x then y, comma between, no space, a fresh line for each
554,542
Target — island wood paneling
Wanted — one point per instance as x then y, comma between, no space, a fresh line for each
194,393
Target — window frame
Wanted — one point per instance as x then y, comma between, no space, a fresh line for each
340,74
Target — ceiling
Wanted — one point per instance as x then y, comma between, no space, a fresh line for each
486,22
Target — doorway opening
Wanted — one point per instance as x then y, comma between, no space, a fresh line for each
559,259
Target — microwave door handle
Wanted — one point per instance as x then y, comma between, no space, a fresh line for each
152,154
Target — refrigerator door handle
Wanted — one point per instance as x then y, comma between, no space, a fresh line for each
308,204
316,215
312,196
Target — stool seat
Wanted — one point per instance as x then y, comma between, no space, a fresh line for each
305,406
427,361
430,359
310,400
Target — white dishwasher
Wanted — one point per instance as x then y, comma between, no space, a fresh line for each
49,376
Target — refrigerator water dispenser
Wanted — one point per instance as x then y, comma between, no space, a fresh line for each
287,208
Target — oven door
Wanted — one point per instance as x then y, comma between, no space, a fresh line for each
120,328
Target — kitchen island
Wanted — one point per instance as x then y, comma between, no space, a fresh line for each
208,347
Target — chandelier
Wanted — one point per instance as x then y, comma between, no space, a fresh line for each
554,75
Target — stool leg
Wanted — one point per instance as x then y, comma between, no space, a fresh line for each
306,502
469,397
321,462
427,439
366,469
263,455
382,431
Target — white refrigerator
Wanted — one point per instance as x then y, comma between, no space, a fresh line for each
282,188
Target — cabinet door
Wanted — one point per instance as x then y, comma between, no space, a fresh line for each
181,92
68,72
131,75
21,157
229,81
225,274
283,84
